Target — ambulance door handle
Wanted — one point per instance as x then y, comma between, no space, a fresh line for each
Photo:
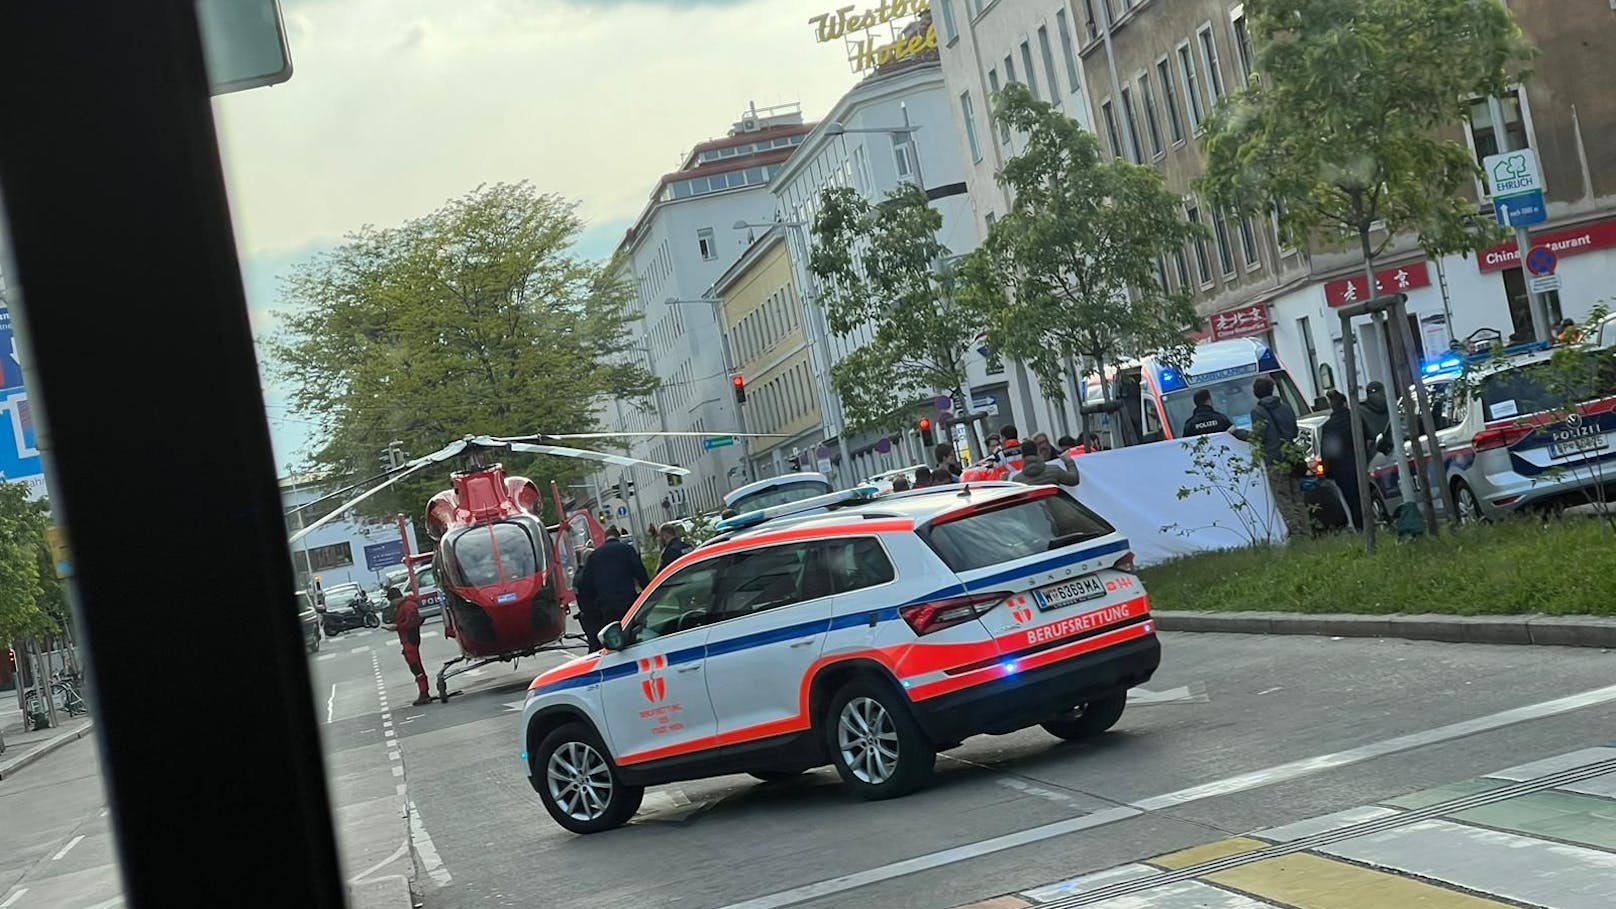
804,642
690,668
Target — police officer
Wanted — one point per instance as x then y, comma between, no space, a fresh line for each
1205,420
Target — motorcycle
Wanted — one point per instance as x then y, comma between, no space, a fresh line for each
359,613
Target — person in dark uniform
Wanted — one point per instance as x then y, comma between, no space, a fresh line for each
1205,419
608,585
674,545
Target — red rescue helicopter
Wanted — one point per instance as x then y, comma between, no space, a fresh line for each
505,576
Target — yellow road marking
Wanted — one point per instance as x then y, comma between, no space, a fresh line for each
1310,882
1207,852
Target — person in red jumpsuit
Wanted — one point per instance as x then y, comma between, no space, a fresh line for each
407,619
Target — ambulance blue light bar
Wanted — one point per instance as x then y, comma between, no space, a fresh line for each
802,506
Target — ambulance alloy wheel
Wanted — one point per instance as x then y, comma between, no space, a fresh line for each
1088,720
578,784
875,743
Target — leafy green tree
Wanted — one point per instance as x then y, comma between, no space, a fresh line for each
881,265
476,318
31,601
1072,268
1340,132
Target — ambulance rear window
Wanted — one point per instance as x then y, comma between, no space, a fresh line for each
1021,530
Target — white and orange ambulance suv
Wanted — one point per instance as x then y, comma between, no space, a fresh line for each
868,636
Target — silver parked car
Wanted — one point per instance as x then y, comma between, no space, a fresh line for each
1509,440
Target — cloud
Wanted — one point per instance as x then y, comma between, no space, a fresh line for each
396,106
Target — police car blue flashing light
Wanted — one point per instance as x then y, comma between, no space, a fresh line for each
1447,363
1171,380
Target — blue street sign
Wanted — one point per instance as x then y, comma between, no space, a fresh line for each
1521,211
10,360
384,555
19,456
1542,261
717,442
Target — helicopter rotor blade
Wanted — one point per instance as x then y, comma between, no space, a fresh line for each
393,476
587,455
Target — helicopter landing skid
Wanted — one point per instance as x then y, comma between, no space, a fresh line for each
445,674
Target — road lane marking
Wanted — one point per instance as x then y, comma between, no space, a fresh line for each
398,771
1239,783
331,704
13,898
360,649
393,756
325,656
115,901
387,724
1310,766
64,850
358,878
431,863
388,732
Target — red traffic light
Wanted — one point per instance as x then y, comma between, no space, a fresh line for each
737,381
925,424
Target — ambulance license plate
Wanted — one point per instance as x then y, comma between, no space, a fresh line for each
1065,593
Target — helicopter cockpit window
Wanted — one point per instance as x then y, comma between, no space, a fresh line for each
488,555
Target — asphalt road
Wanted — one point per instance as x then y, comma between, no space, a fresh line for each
1223,706
1236,734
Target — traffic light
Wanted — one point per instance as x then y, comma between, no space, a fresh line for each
796,463
739,382
926,436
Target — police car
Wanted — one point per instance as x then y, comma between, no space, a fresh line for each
869,636
1510,440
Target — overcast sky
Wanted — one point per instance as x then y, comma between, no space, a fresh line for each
396,106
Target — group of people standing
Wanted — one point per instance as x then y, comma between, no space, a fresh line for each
612,576
1040,461
1274,433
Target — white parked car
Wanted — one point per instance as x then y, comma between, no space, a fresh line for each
869,637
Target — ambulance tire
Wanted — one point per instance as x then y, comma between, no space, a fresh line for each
905,758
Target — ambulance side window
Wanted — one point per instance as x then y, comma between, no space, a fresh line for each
1152,425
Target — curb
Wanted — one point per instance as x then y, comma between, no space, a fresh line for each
1562,631
390,892
10,768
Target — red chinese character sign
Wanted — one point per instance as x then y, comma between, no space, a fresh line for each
1239,323
1388,281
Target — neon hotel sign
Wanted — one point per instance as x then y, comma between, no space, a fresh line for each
865,53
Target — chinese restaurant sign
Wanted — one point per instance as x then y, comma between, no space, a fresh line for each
1387,281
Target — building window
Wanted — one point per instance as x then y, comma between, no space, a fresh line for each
1148,96
970,126
1110,116
1049,64
1192,86
950,29
993,83
1169,100
901,151
325,558
1133,125
1067,51
709,246
1009,69
1209,57
989,219
1220,231
1203,262
1181,265
1161,274
1089,22
1242,46
1483,134
1026,64
1248,243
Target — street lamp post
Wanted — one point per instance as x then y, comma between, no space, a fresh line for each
717,306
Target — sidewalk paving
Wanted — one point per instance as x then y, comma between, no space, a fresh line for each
1540,834
24,746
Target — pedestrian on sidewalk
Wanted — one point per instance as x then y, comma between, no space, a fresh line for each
407,620
1273,434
